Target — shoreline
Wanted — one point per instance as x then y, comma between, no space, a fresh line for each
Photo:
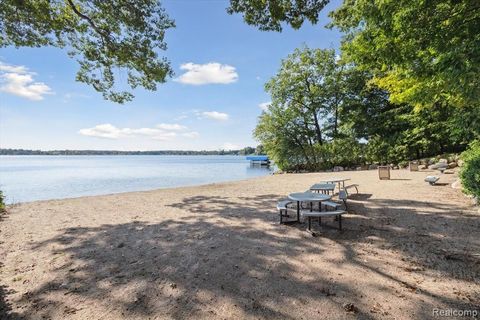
8,205
217,251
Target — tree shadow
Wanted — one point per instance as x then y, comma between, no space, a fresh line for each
359,196
181,269
230,253
5,306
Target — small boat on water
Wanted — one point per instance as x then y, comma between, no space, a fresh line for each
259,160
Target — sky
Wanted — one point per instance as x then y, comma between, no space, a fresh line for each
212,102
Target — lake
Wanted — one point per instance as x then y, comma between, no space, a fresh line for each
30,178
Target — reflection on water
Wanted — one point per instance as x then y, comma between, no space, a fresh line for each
29,178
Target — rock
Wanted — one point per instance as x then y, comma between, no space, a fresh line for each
460,163
433,166
448,172
338,168
432,161
452,165
372,167
422,167
443,161
359,169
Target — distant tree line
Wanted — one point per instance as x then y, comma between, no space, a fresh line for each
21,152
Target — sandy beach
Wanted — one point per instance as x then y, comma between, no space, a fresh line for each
218,252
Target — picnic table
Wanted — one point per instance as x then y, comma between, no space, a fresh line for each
323,187
311,197
339,181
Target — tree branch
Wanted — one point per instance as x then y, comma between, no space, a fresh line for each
90,22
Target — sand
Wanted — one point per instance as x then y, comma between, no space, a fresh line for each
218,252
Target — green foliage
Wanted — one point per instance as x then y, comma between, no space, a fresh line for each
269,14
321,109
246,151
470,173
2,202
422,52
302,128
105,37
259,150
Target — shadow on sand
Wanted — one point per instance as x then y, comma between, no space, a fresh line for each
183,268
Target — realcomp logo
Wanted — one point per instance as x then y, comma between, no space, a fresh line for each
472,313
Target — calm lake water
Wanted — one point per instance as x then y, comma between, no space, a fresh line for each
29,178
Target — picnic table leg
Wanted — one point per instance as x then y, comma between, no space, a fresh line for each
298,211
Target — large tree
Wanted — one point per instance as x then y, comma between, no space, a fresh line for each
302,127
107,38
421,51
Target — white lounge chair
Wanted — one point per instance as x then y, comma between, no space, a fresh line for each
432,179
352,186
319,214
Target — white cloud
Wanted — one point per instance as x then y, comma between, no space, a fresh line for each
264,105
215,115
173,127
18,80
162,132
230,146
103,131
213,72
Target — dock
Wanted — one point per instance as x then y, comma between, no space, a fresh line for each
259,160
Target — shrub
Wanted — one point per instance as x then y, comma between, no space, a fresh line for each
470,173
2,203
403,164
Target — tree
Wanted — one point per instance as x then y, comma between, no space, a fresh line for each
269,14
422,52
103,36
309,82
302,127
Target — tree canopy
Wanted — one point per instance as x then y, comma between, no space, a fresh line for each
421,51
105,37
268,15
309,94
326,113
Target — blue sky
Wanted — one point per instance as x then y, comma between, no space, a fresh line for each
220,63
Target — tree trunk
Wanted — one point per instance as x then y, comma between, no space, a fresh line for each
318,131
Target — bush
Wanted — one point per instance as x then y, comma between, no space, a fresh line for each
470,173
2,203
